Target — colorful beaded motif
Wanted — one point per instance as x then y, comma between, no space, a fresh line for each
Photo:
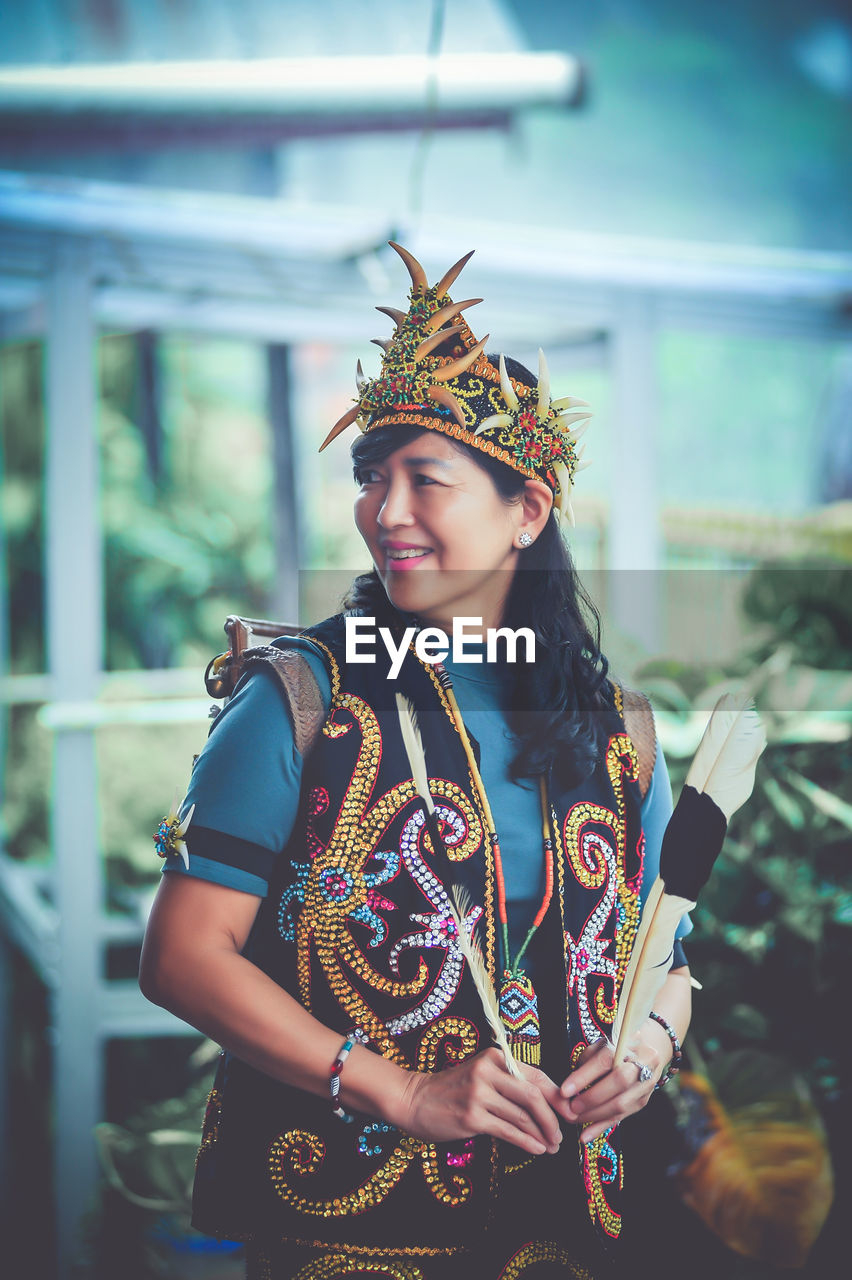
598,862
592,1155
519,1013
168,837
367,1143
343,878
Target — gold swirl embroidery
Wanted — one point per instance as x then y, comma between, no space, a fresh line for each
443,1034
622,765
473,390
332,1265
595,876
599,1207
455,1194
301,1153
542,1251
604,1010
335,669
386,809
371,1251
336,886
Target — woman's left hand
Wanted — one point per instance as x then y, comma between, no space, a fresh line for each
600,1094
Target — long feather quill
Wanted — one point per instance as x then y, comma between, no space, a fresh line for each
414,749
460,904
719,781
461,907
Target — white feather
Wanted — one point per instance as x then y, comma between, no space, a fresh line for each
724,764
414,749
649,965
460,906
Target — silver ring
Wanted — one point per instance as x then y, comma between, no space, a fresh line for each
645,1072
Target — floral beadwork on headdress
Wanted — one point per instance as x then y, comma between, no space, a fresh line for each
461,393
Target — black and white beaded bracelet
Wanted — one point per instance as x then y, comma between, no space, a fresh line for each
677,1053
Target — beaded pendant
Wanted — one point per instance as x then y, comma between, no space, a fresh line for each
519,1014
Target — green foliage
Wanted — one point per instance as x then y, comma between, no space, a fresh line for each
772,929
187,535
187,539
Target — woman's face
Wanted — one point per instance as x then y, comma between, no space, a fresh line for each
441,537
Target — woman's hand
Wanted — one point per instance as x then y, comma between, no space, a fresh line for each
480,1096
600,1094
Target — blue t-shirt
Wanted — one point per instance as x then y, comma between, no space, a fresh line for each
245,788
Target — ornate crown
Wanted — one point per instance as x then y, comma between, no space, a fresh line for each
436,375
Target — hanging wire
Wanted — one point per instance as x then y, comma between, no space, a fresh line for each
427,133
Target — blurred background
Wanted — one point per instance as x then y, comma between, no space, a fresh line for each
195,200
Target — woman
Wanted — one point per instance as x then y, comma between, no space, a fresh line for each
316,935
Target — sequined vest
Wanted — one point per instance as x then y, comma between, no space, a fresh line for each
357,927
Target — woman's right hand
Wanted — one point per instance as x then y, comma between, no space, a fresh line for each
480,1096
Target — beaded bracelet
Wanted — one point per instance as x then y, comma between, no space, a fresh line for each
677,1053
334,1080
354,1037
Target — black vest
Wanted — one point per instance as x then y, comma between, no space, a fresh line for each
356,926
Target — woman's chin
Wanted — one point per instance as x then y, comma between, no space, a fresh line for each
406,593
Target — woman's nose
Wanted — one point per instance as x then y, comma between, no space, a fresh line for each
396,507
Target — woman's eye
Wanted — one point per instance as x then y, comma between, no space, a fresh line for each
422,479
368,476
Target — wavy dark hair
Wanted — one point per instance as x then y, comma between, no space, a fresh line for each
552,702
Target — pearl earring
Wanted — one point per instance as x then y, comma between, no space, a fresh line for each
525,539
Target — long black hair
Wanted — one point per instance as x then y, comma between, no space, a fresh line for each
551,701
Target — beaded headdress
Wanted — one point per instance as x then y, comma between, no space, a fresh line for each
436,375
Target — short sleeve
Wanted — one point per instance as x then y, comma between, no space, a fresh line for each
246,782
656,811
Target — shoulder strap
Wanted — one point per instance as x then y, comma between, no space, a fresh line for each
639,722
299,686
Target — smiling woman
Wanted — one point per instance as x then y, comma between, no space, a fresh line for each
426,507
350,926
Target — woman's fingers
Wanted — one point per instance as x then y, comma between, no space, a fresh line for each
481,1096
595,1062
615,1083
618,1106
527,1098
517,1137
503,1113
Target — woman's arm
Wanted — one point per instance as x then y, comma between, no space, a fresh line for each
600,1095
191,965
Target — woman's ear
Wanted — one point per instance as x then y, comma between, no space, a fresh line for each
533,510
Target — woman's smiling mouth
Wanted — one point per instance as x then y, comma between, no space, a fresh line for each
403,555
